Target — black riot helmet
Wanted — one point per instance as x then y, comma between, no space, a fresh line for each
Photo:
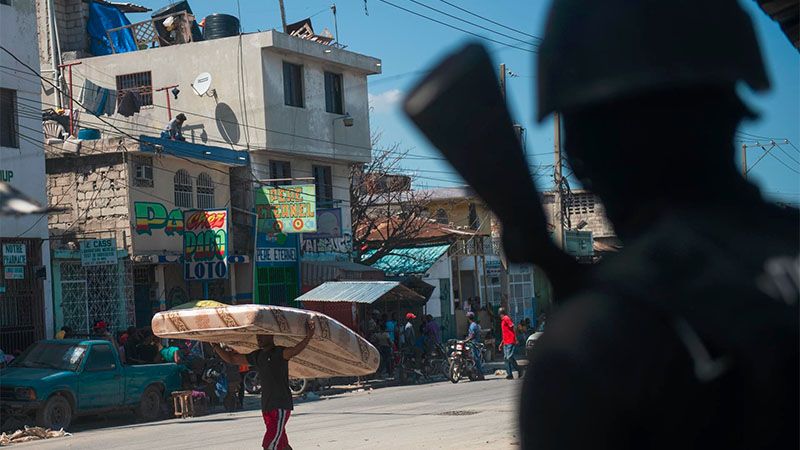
594,51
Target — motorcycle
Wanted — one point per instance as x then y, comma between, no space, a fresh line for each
252,384
462,361
434,364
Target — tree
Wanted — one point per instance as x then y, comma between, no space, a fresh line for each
386,212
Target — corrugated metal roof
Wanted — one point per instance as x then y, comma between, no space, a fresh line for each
360,292
410,260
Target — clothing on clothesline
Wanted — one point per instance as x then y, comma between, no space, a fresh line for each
97,99
129,104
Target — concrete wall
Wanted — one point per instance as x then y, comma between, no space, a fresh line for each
590,210
441,270
26,163
251,93
458,213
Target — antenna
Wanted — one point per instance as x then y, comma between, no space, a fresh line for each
335,22
202,83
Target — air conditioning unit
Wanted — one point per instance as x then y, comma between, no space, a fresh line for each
144,172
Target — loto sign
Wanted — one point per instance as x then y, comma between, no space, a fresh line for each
205,245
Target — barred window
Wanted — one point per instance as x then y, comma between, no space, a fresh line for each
183,189
140,83
205,191
581,203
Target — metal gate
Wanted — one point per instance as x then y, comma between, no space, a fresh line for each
90,294
22,301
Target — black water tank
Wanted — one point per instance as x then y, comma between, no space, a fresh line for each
220,26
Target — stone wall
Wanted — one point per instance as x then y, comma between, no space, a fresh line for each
583,206
93,190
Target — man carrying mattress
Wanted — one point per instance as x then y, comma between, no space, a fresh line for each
272,363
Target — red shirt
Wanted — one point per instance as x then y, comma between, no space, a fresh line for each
507,325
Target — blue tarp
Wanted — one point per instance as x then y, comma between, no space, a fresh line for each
102,18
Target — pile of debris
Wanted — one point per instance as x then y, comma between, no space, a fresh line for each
30,434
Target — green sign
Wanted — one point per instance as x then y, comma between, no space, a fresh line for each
286,209
205,245
14,255
14,272
98,252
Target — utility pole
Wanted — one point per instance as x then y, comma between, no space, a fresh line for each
283,15
503,80
557,217
744,161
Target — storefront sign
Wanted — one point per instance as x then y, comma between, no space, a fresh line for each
150,216
286,209
276,249
328,248
99,252
6,175
14,272
205,245
14,255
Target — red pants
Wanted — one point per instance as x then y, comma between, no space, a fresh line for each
275,438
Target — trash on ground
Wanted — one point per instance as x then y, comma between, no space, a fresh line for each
30,434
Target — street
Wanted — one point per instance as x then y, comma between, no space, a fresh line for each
442,415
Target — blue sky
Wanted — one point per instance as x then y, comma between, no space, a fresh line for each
408,45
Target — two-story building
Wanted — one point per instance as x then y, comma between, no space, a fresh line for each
26,312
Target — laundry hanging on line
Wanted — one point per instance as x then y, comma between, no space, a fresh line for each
129,103
97,99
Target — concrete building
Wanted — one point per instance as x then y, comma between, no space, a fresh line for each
26,312
297,105
153,202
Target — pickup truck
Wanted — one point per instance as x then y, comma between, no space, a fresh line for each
54,381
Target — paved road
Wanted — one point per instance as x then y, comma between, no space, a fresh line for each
467,415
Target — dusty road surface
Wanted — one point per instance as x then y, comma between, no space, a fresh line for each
467,415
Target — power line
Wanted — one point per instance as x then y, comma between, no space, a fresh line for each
468,22
491,21
456,28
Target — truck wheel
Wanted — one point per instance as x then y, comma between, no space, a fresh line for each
150,405
55,414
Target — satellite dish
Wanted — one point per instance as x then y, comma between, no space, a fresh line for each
202,83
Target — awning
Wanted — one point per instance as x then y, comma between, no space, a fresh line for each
366,292
315,273
409,260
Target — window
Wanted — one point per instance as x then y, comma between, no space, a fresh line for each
205,191
441,216
183,189
140,83
474,221
9,130
292,84
324,186
100,358
279,169
333,93
143,171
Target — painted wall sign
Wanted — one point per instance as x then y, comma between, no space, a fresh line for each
205,244
14,272
286,209
276,249
328,248
14,255
99,252
329,224
150,216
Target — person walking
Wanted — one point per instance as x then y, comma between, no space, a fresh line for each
272,363
508,344
688,337
474,335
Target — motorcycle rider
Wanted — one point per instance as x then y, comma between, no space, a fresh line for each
474,336
688,338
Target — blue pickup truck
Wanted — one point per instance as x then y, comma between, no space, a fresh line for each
54,381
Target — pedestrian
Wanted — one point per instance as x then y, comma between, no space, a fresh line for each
688,337
410,345
272,364
391,328
433,331
173,130
474,335
508,345
385,350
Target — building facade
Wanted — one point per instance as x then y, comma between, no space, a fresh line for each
26,312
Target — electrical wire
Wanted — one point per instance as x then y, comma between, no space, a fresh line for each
491,21
505,44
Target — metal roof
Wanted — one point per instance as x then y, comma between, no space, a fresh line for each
409,260
360,292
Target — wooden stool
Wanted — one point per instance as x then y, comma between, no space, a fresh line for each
183,404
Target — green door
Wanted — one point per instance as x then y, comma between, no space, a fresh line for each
276,286
448,320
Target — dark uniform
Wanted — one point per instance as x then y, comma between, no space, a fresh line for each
688,338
